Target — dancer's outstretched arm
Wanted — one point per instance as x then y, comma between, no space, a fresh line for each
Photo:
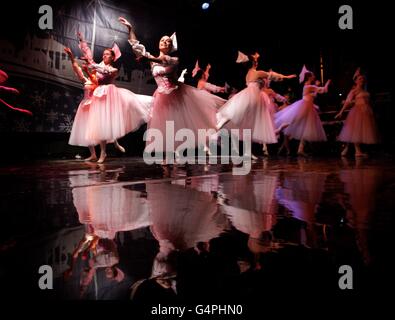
138,48
324,89
271,75
9,90
76,68
349,102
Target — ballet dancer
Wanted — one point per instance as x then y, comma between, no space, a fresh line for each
183,105
202,77
113,111
300,119
249,109
360,126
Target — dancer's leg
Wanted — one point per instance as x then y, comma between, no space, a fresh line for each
103,153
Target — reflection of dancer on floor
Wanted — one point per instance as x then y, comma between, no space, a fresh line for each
202,78
360,126
100,253
301,120
3,78
113,111
249,109
183,105
361,184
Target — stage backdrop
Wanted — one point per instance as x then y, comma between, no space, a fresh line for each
42,72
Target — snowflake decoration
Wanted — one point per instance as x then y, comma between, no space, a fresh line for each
22,125
52,116
67,123
39,99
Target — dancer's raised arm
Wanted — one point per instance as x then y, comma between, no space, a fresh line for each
271,75
139,49
76,68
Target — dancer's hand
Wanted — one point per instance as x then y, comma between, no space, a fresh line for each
290,76
68,51
13,90
9,90
124,22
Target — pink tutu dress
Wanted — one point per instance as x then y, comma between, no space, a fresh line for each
113,111
109,208
78,132
184,105
360,126
302,117
250,109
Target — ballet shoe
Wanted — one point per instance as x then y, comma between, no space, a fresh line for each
253,157
119,147
91,158
102,158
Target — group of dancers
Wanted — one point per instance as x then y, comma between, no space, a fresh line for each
108,113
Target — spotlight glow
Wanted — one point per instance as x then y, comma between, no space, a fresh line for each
205,5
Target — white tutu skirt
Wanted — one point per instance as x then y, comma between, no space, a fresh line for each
78,132
188,108
250,204
114,112
303,119
360,126
250,109
110,209
192,216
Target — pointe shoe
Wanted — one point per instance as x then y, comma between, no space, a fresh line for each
221,124
91,158
344,152
102,158
253,157
119,147
265,152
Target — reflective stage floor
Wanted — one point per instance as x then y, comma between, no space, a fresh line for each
175,233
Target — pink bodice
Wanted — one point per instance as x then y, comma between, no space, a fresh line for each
165,75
